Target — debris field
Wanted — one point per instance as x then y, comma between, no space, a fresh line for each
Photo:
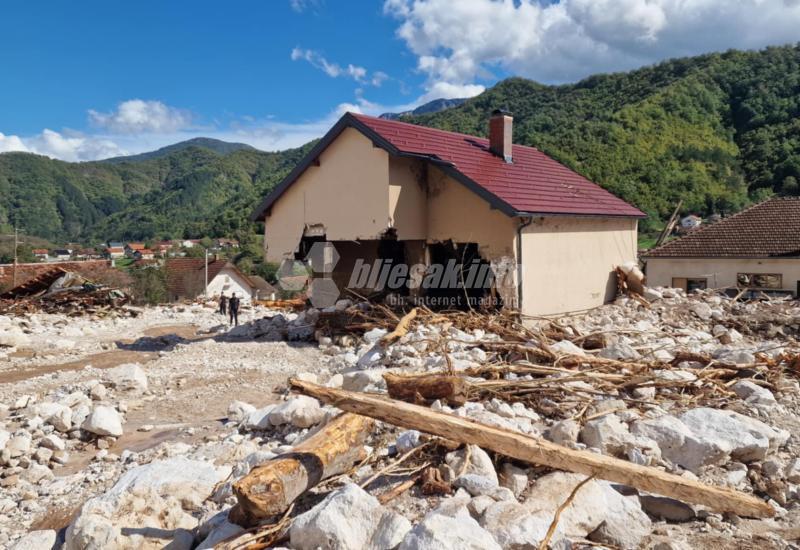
658,421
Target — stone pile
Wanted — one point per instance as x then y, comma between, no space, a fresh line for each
736,430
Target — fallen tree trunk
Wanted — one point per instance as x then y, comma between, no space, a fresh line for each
270,488
427,388
400,330
538,451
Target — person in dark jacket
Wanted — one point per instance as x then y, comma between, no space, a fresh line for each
223,304
233,309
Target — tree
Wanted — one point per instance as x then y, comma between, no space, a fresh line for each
149,285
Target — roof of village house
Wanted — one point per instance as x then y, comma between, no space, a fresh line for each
136,246
532,183
40,251
769,229
187,275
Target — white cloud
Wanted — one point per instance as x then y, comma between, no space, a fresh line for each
11,143
458,43
302,5
334,70
139,116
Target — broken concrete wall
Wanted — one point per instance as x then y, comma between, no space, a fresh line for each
347,194
568,262
456,213
721,272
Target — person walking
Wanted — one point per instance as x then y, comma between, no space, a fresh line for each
233,309
223,305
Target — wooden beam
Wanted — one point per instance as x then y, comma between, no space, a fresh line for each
427,388
538,451
270,488
400,330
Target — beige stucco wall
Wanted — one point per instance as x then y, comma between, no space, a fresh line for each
456,213
568,262
720,272
408,204
348,193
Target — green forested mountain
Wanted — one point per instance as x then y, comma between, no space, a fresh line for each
191,192
717,130
216,145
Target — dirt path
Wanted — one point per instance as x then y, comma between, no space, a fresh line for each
105,359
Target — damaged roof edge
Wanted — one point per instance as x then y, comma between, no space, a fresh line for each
350,121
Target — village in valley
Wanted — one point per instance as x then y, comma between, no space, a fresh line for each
508,315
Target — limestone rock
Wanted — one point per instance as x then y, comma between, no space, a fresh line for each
479,463
744,438
127,377
514,478
346,518
301,412
153,498
56,414
753,393
239,410
439,532
258,419
37,540
103,420
564,432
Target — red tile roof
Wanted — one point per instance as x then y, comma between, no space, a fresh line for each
532,183
768,229
186,276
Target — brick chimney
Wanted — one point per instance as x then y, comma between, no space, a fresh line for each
500,131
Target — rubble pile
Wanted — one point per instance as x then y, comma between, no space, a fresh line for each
702,387
60,291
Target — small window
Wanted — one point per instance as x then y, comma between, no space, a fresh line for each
759,280
689,284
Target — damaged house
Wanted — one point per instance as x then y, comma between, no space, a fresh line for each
387,193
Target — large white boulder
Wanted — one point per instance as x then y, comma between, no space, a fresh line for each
127,377
301,412
458,531
746,439
37,540
479,463
56,414
103,420
347,518
145,502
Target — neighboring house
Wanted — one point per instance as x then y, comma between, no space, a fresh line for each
115,252
144,254
386,190
87,254
186,279
691,221
40,253
62,254
227,244
132,248
190,243
263,290
162,248
758,248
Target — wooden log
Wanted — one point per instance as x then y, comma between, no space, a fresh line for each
427,388
400,330
270,488
538,451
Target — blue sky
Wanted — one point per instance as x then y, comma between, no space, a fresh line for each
89,79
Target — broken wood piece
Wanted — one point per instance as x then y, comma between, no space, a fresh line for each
269,489
427,388
400,330
538,451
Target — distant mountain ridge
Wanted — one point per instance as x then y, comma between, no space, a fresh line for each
717,131
216,145
434,106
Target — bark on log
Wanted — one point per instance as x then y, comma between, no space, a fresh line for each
400,330
270,488
427,388
538,451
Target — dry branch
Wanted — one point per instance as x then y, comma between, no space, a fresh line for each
538,451
269,489
400,330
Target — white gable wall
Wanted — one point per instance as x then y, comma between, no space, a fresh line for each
228,281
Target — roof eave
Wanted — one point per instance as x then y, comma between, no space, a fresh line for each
527,214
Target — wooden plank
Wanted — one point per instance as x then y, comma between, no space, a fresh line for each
538,451
427,388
